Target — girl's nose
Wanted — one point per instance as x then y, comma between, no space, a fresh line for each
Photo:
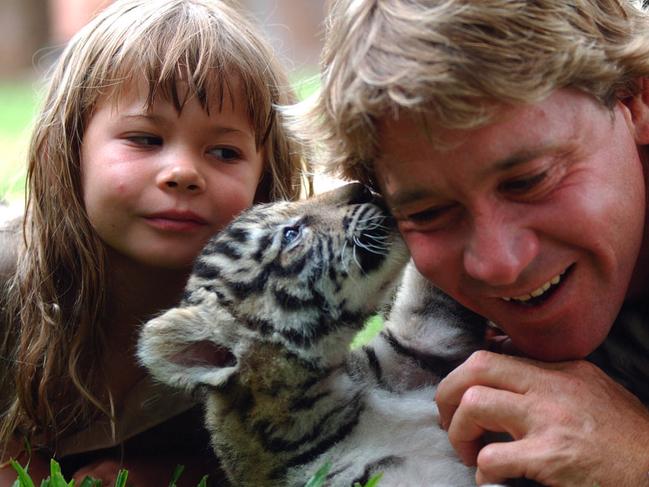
181,176
499,251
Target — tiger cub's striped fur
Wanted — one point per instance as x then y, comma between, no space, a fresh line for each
264,332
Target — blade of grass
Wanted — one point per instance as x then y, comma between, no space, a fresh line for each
121,478
178,471
203,482
23,477
373,481
90,482
56,477
320,476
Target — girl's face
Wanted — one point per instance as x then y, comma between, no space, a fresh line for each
157,184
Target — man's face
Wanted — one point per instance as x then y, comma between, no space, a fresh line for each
534,221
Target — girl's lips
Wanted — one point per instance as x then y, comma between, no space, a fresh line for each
174,225
177,221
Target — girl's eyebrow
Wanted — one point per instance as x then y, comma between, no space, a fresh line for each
217,129
142,115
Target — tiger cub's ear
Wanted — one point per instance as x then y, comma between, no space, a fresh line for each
191,346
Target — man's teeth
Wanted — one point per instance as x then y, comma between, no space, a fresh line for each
537,292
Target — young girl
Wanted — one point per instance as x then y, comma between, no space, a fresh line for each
159,126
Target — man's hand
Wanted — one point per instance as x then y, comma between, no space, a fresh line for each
571,424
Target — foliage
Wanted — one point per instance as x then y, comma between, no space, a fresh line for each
18,102
372,328
305,84
320,476
56,478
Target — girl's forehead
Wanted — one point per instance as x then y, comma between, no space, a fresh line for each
215,94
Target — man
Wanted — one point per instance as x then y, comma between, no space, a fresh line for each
509,139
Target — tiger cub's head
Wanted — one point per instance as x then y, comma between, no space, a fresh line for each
298,277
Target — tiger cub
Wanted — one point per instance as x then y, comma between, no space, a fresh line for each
263,335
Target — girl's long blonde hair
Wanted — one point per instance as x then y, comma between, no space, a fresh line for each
56,300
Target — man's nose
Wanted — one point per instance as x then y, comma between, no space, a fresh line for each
498,249
181,173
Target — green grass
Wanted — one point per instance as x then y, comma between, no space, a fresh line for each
320,477
56,478
372,328
18,102
17,107
305,84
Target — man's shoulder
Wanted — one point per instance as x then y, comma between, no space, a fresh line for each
624,355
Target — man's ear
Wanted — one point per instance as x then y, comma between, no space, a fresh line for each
190,346
638,112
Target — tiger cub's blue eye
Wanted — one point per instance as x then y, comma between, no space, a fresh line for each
290,234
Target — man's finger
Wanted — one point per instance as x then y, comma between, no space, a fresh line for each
482,410
498,462
514,374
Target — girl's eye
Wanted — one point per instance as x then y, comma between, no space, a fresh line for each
145,140
226,154
524,185
290,234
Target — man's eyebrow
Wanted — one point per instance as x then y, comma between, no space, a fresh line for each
556,148
519,158
410,195
406,197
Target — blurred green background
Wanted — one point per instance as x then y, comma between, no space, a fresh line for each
18,103
35,32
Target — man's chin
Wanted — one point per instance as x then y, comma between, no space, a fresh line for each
553,352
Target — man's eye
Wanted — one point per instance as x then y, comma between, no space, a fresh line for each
226,154
523,185
145,140
430,214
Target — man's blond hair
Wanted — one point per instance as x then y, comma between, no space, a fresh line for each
453,61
